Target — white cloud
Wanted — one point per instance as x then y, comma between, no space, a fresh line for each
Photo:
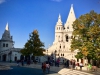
57,0
2,1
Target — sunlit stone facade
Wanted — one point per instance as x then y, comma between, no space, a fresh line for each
7,50
63,37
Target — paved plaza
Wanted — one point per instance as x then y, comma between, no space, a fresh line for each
35,69
77,72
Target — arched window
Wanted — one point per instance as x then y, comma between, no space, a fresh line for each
68,27
6,45
59,28
66,38
60,46
63,54
3,44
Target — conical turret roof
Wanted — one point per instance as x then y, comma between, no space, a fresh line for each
71,18
59,20
6,34
7,27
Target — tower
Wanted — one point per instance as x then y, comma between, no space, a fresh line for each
58,30
71,18
6,41
69,28
63,35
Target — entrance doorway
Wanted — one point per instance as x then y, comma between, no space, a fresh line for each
81,60
4,57
15,58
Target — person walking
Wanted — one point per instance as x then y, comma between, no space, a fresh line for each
44,67
81,65
22,62
48,67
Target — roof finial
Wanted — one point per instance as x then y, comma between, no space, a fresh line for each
59,18
7,28
71,5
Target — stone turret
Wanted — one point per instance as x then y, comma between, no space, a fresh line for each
58,30
6,34
6,41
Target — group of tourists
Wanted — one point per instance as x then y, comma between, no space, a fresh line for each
45,67
72,64
69,63
57,62
22,62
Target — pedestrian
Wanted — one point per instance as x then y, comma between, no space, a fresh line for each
44,67
89,67
71,67
76,65
58,61
81,65
17,62
48,67
22,62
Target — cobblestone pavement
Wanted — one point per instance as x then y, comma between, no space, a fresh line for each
77,72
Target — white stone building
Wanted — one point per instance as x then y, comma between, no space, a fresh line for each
63,35
7,50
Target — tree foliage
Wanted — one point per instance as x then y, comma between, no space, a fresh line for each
86,36
33,45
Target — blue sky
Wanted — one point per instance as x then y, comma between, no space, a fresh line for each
23,16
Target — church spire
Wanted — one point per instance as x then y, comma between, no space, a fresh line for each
7,27
71,18
59,20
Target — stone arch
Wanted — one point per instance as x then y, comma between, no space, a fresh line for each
66,37
15,58
57,28
22,57
61,54
4,57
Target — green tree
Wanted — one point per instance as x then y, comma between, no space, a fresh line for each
86,36
33,45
